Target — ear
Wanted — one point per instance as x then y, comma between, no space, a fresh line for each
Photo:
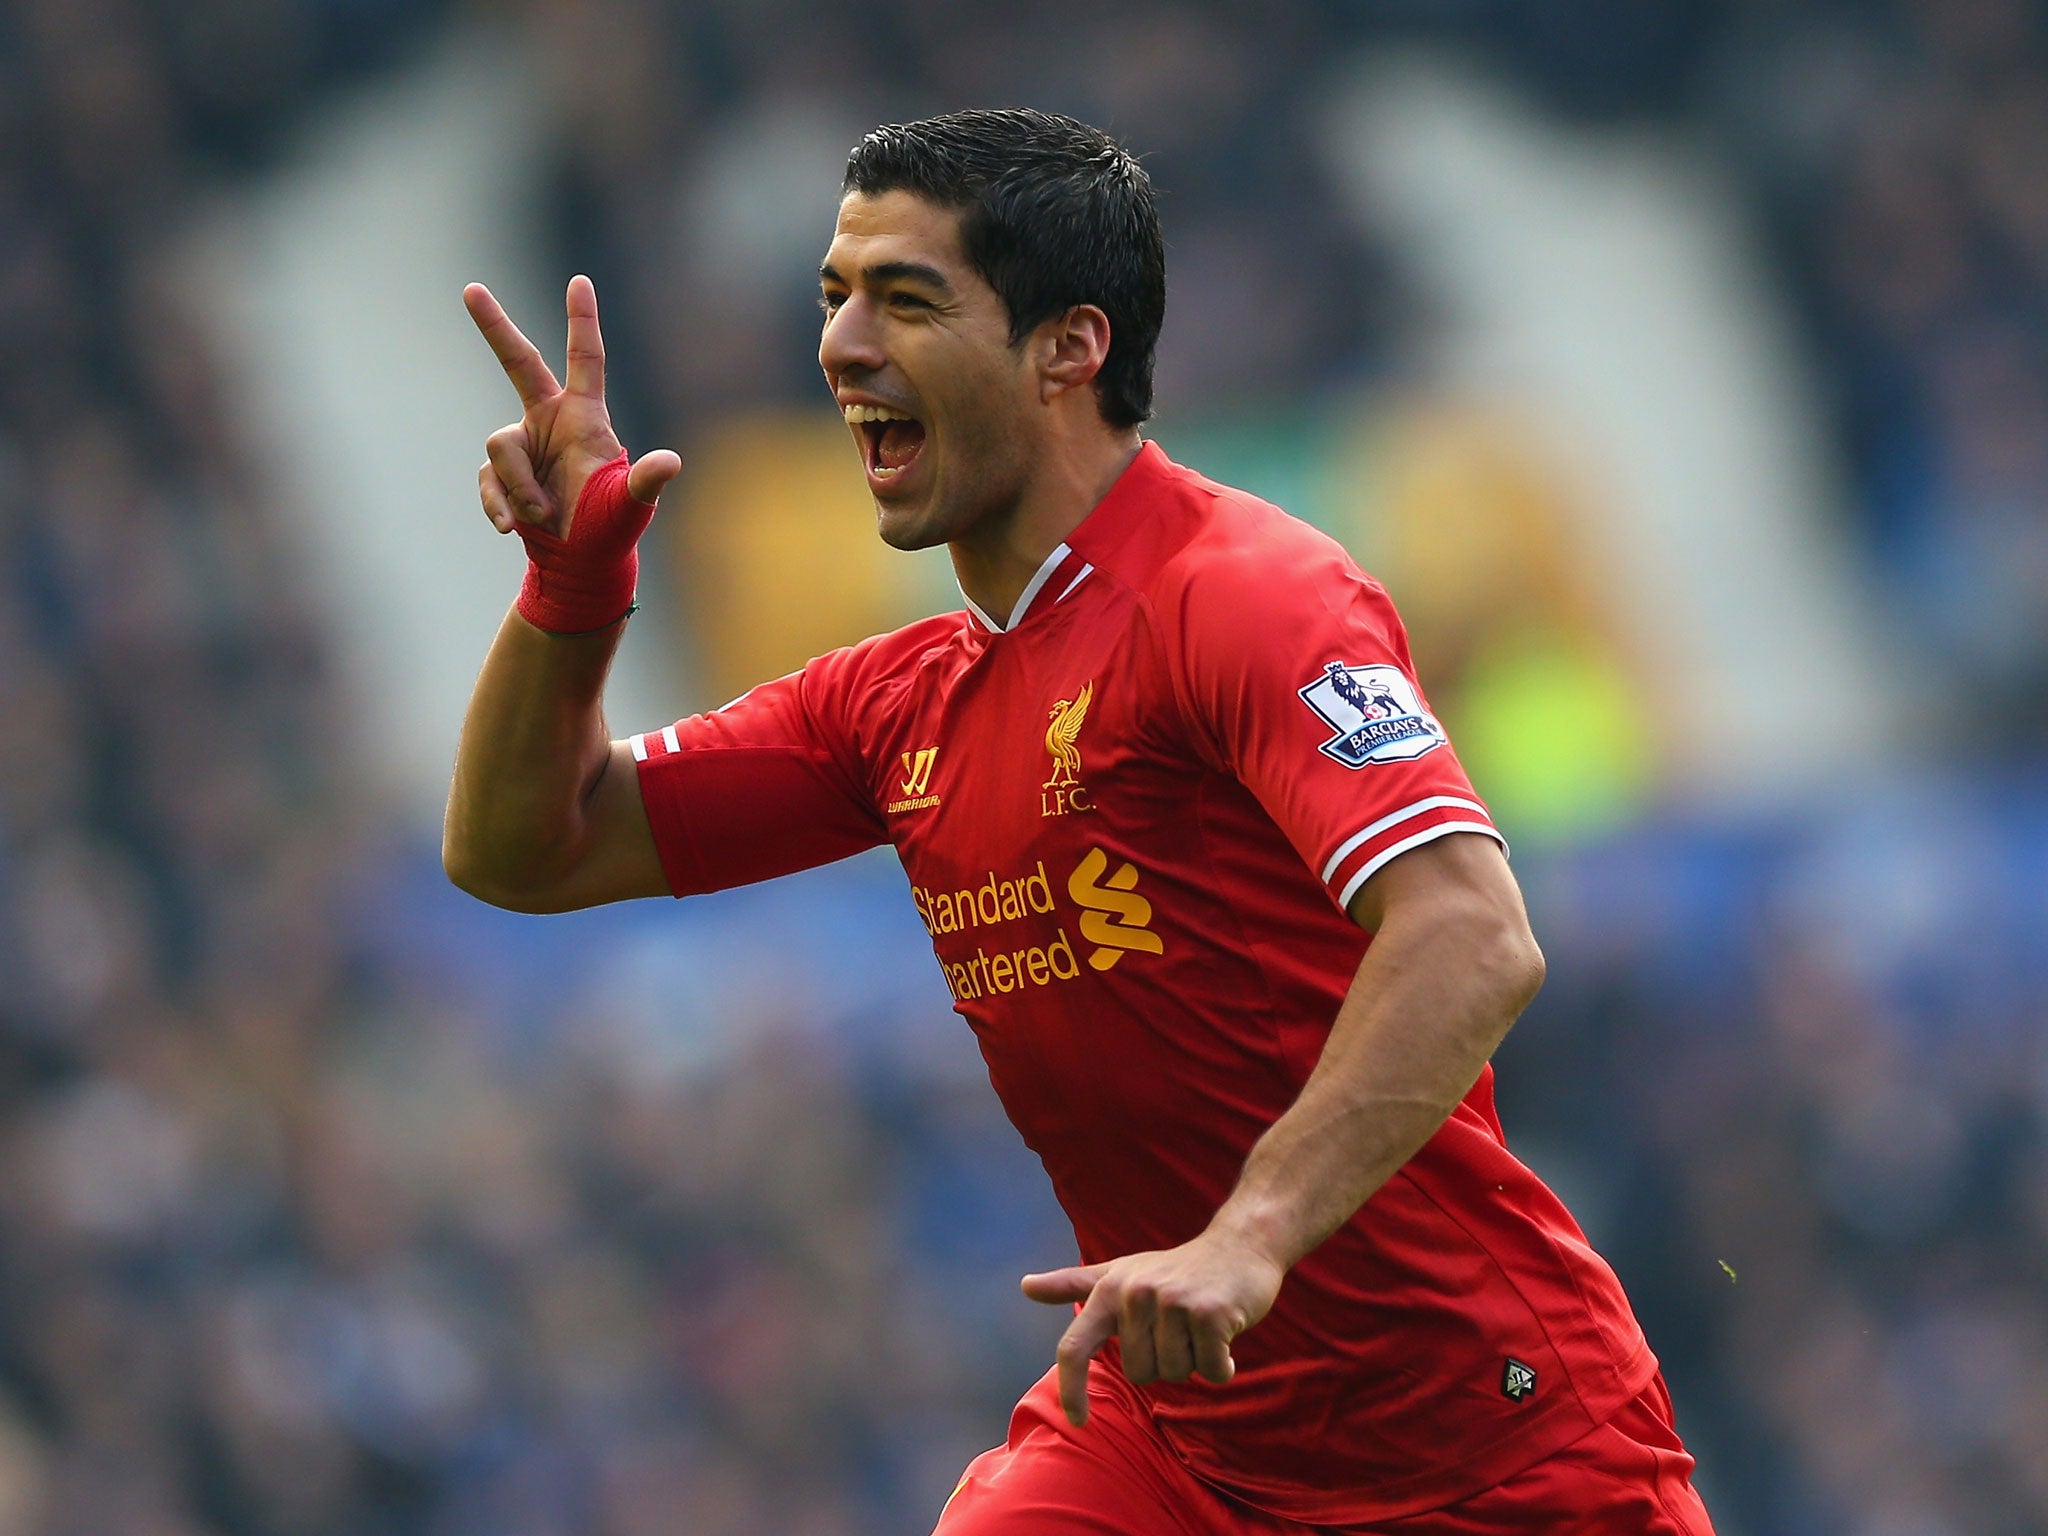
1072,349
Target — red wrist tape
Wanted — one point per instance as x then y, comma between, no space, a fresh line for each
586,581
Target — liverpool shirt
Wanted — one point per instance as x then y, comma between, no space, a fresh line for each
1132,818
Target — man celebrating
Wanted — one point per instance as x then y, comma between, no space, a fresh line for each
1235,933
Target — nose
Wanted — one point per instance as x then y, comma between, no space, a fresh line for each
851,340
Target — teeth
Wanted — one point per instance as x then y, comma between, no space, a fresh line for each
856,415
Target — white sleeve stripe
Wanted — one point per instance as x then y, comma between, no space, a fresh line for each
1373,865
639,746
1434,802
668,739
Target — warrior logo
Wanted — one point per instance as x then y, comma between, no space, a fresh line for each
917,770
917,782
1517,1380
1064,791
1376,713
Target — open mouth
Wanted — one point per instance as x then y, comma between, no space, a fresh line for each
890,440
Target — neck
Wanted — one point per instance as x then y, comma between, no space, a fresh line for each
998,558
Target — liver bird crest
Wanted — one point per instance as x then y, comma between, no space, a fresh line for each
1061,735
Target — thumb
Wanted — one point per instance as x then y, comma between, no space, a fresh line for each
1057,1285
646,480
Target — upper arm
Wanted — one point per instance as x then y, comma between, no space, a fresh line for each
1455,899
610,854
767,785
1462,877
760,788
618,860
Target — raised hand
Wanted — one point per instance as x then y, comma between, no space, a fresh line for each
537,467
1173,1312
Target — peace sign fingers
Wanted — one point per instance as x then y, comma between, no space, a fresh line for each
586,343
520,358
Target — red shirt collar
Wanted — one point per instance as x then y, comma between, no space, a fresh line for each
1145,519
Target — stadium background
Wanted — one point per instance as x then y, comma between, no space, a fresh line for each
1683,370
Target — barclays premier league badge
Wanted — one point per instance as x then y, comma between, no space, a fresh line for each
1376,713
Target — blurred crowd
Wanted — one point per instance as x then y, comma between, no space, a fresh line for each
1902,156
330,1204
291,1240
1794,1079
701,143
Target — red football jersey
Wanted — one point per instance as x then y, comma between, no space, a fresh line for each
1131,820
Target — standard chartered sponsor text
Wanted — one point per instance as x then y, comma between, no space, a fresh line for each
996,901
1114,919
1010,970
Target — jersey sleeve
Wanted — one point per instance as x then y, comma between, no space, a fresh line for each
1296,674
765,786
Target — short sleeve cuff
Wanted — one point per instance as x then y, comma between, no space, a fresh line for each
650,745
1367,851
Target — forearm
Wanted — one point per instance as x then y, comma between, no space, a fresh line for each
1432,999
534,751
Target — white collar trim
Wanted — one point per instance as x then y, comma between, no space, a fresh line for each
1031,590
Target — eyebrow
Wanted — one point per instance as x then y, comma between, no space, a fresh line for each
892,271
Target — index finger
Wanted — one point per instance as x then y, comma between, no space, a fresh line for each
520,358
586,343
1088,1332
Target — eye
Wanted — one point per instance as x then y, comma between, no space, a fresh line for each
830,302
908,301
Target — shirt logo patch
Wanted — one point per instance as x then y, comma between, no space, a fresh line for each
1376,713
1114,917
1517,1380
1064,791
917,778
917,769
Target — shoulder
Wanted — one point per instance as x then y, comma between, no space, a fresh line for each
909,646
881,664
1246,565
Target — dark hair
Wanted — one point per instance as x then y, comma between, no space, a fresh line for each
1053,214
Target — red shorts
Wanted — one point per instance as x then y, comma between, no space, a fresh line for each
1118,1477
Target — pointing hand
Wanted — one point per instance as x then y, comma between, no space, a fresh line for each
1173,1311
